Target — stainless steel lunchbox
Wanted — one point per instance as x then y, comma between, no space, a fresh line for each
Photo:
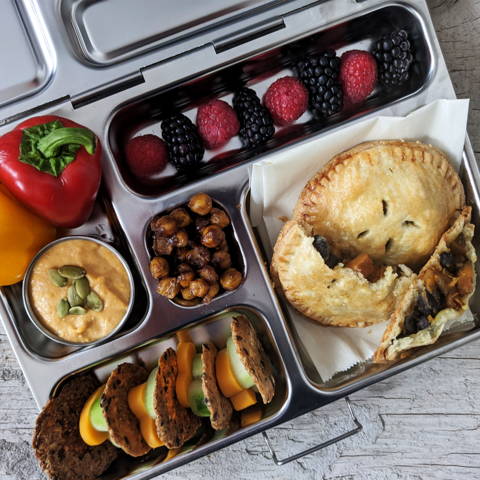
120,67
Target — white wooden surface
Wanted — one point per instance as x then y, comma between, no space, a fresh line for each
420,424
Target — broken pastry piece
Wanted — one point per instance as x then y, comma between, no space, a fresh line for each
439,294
331,290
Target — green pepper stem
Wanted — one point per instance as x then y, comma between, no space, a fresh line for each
51,144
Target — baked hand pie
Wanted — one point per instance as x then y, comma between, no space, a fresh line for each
333,296
360,225
389,199
439,294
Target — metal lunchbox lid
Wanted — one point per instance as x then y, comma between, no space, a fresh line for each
80,50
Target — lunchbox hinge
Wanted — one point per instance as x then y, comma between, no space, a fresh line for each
248,34
35,110
104,91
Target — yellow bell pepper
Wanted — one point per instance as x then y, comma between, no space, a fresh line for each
22,236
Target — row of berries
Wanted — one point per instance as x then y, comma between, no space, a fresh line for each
184,143
324,81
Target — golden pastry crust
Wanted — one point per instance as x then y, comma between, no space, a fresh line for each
391,348
338,296
389,199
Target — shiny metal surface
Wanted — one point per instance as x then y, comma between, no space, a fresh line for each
108,32
31,312
27,64
76,79
124,99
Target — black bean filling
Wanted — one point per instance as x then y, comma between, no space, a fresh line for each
430,303
446,259
321,245
414,323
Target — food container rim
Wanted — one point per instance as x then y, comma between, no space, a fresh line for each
31,313
357,382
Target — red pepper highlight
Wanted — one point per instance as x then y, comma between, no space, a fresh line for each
60,188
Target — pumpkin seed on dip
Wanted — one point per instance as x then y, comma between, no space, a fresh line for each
107,297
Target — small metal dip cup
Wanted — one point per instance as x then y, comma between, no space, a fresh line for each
43,328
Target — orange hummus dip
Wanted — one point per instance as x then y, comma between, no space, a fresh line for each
107,277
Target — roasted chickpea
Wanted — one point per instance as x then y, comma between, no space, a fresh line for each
182,217
183,268
168,287
199,287
223,246
189,303
166,226
198,257
179,239
219,218
209,274
201,223
212,236
200,203
180,254
231,279
221,260
185,274
162,246
153,222
211,293
159,268
184,279
187,294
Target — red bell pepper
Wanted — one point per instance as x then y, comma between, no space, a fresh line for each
52,166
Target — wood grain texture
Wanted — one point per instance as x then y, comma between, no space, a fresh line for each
420,424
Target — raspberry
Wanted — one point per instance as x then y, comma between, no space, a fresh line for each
217,123
287,100
358,75
146,155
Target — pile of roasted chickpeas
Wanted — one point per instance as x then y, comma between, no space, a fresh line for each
192,260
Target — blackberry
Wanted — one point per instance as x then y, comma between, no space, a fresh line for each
320,74
393,56
256,123
184,145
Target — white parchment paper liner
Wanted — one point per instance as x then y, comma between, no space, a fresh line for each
276,183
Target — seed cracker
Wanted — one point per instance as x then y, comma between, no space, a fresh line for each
220,407
175,424
253,357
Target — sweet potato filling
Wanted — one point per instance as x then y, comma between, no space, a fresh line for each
361,263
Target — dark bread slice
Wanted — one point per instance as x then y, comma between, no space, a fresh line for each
62,453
